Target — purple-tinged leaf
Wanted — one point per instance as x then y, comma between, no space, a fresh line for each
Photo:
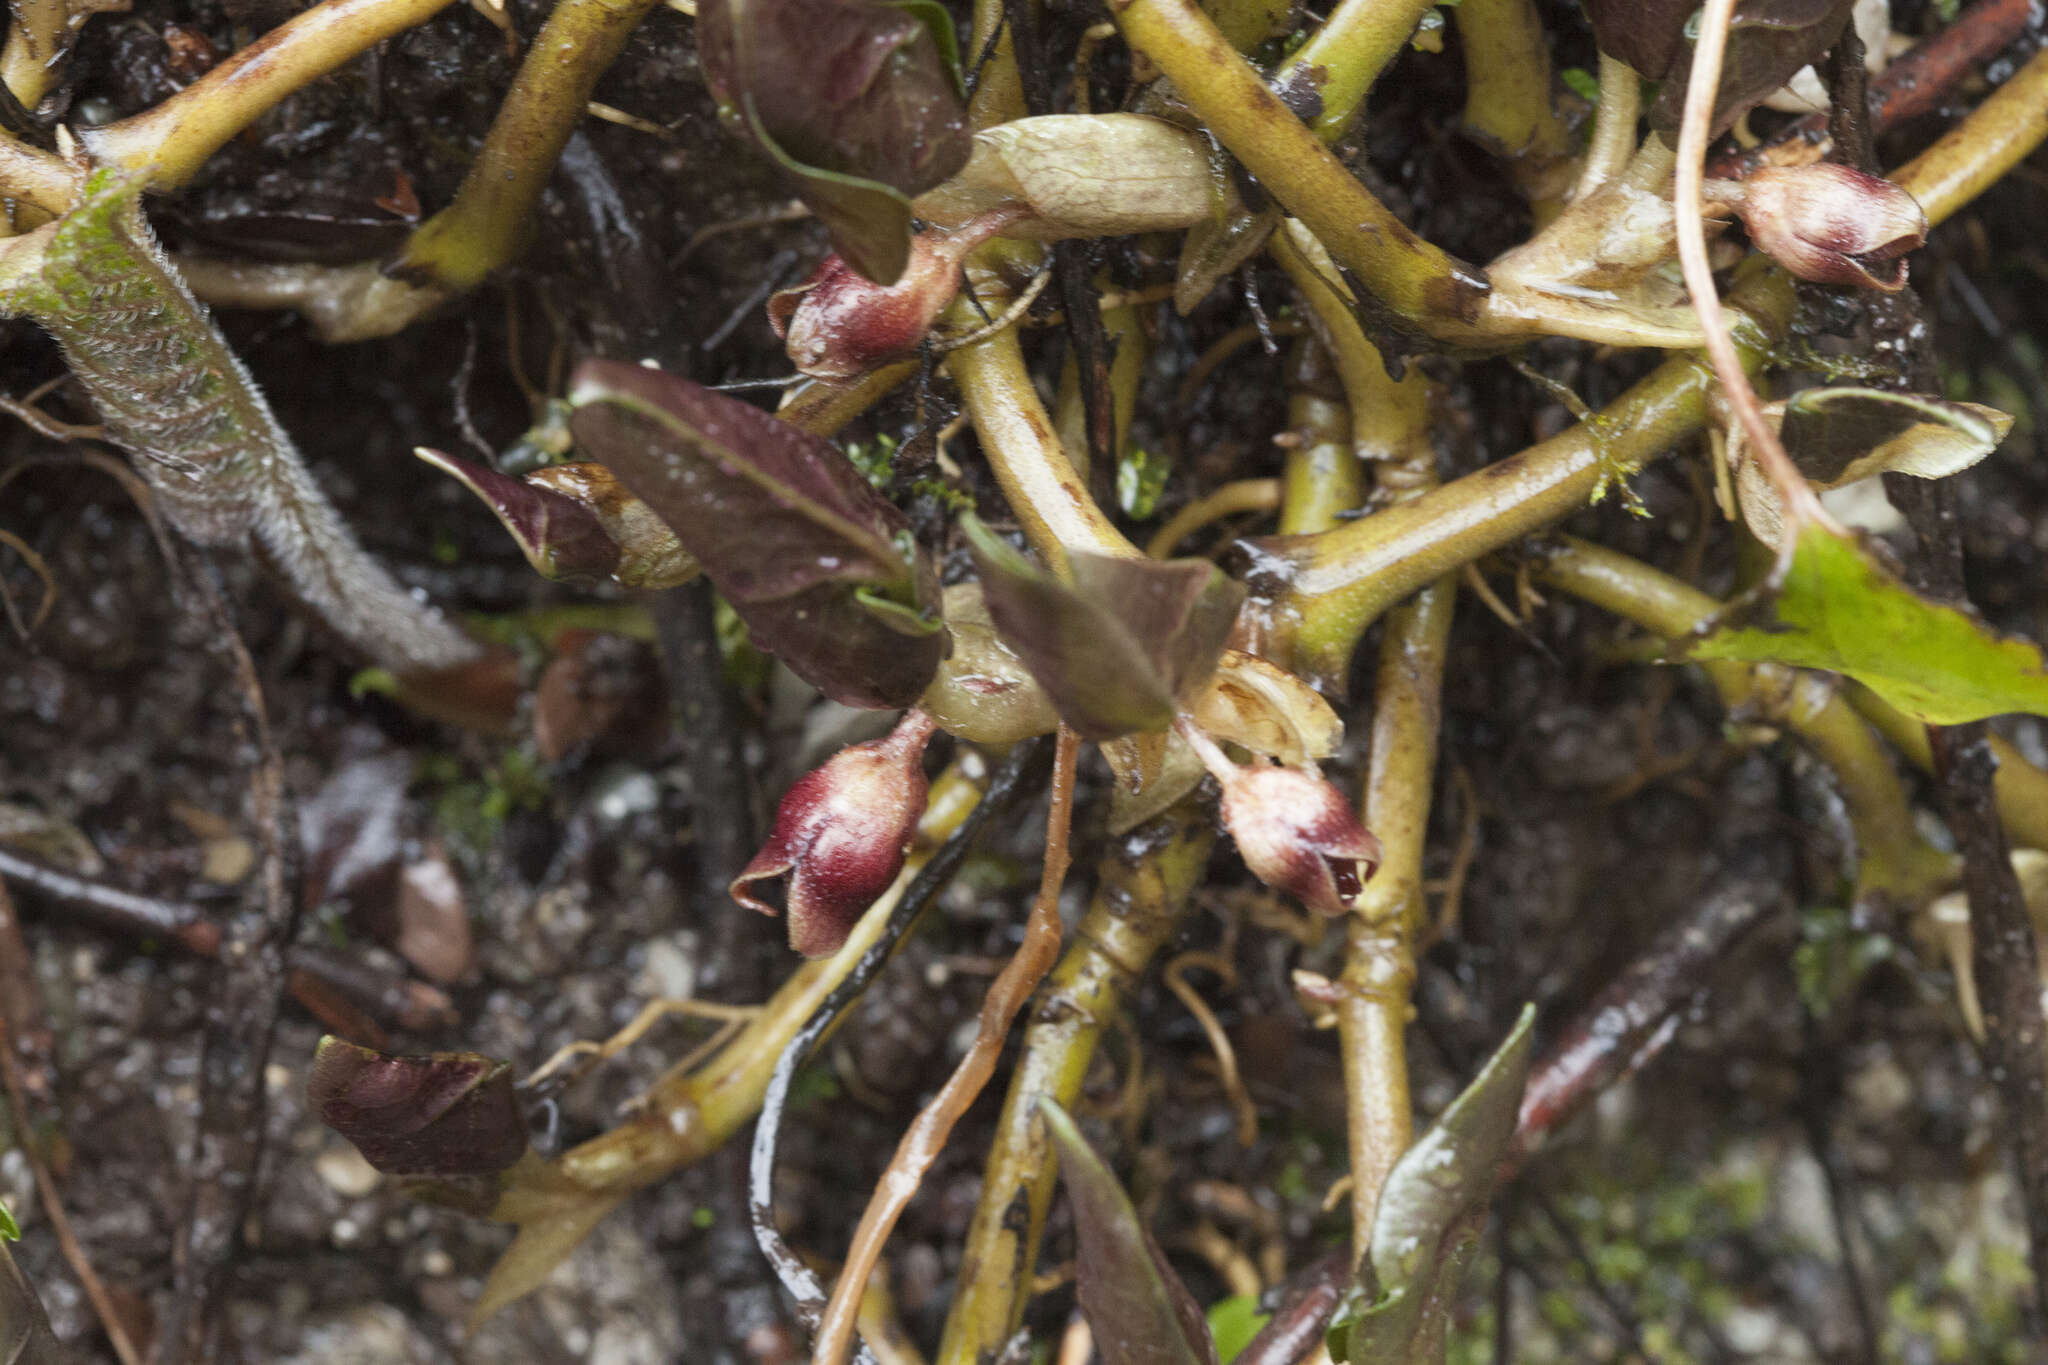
1119,648
1647,34
858,101
1431,1212
1768,44
819,565
1138,1308
560,537
575,521
449,1113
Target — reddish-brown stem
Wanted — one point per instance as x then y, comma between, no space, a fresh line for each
927,1134
1911,86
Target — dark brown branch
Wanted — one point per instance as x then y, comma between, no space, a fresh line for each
241,1020
1307,1303
707,723
1911,86
387,995
1630,1021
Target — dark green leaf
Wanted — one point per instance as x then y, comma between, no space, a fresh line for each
449,1113
817,563
1137,1306
25,1336
1118,648
1836,435
1842,611
1431,1212
859,100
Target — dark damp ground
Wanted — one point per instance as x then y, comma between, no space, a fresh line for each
1821,1086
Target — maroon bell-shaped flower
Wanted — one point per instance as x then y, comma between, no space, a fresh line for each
841,834
1293,827
1830,223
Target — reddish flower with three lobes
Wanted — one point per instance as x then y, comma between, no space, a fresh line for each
1294,829
841,835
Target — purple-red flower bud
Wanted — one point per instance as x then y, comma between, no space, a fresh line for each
838,323
1298,834
1831,223
841,834
1294,829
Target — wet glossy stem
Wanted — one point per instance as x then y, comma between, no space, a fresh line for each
1341,60
2019,788
1895,860
1142,889
1614,125
1509,104
927,1134
1979,151
485,226
32,62
822,407
1243,495
1042,485
1379,963
1340,581
1411,277
170,141
1389,417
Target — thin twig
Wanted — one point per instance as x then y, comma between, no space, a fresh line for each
241,1022
927,1134
1800,503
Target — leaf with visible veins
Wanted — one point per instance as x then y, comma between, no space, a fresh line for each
819,565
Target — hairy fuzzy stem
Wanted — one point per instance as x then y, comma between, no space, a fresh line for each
1142,889
1894,860
171,393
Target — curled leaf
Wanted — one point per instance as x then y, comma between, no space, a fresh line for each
1118,649
25,1336
817,563
575,521
1840,610
1431,1211
449,1113
1083,175
858,101
1137,1306
1840,435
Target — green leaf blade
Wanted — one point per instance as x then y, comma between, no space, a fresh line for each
1138,1308
1841,611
